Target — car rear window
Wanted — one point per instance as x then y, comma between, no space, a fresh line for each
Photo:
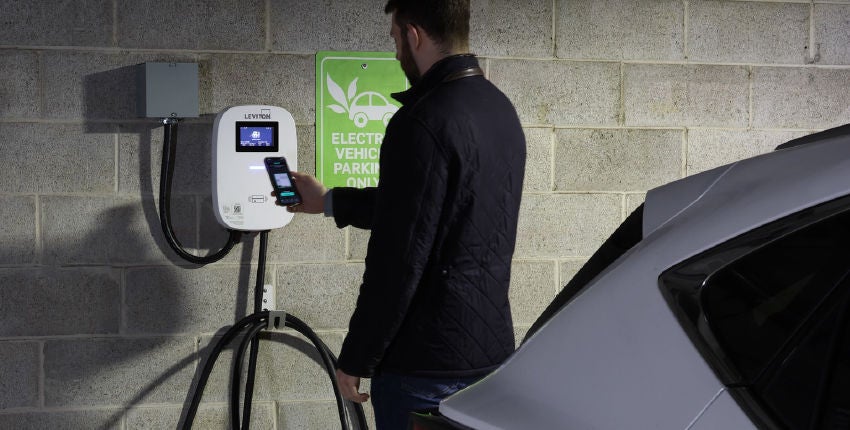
769,312
758,302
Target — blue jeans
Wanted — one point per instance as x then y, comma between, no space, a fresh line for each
394,396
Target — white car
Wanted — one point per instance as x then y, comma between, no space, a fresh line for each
722,303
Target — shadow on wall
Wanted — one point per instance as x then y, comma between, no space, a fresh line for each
164,295
109,96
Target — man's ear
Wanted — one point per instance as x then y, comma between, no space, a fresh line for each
414,37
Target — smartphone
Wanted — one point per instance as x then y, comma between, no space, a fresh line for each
282,183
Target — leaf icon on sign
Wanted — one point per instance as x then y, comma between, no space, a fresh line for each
352,89
338,95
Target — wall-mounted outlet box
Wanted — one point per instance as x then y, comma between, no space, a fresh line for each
167,90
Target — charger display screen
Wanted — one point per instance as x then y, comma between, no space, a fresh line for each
255,136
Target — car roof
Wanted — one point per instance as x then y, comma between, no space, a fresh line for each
723,202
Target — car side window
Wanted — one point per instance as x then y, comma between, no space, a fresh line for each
770,312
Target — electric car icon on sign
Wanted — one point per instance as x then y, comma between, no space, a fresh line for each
721,302
370,106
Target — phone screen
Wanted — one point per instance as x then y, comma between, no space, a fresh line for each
282,183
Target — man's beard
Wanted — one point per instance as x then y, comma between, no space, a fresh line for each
408,64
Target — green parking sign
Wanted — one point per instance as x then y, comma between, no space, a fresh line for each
353,107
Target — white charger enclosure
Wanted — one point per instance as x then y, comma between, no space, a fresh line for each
243,136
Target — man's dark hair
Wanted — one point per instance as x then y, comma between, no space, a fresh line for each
446,21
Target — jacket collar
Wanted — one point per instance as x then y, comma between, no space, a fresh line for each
439,72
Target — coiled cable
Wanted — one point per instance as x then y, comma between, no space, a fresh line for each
169,151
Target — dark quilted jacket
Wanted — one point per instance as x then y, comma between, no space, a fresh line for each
434,298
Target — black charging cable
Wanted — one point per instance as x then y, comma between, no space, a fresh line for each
253,325
255,341
169,151
250,338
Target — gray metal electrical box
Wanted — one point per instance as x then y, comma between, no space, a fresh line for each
167,90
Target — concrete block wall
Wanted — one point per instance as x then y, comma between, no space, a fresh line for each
102,326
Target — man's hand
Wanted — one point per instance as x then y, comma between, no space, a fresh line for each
312,194
349,387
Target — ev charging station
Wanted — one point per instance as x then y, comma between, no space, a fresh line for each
243,136
244,202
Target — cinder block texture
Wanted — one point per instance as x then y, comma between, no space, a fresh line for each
196,24
18,238
56,158
616,160
567,270
533,286
140,159
708,148
749,32
19,84
306,136
620,30
94,419
307,238
78,23
538,162
109,230
358,243
520,331
832,33
632,201
278,80
809,98
208,417
174,300
565,225
511,28
322,295
333,26
45,301
85,372
689,95
560,92
19,365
